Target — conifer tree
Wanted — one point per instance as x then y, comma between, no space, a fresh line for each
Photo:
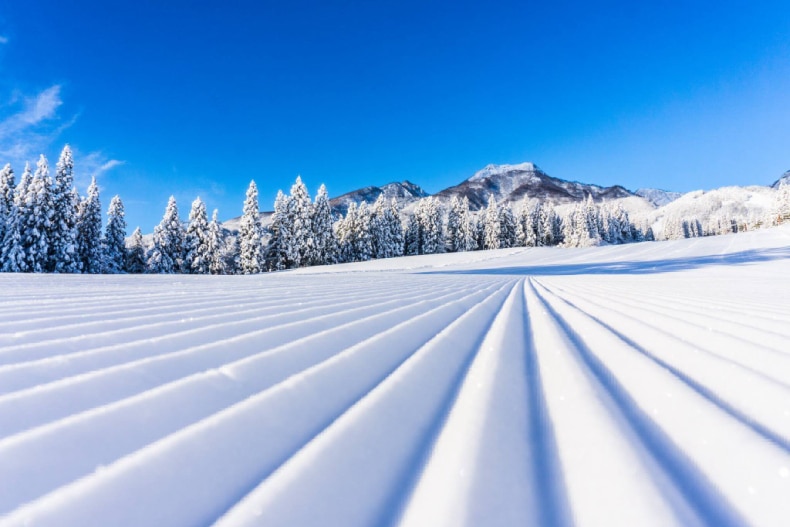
115,238
36,217
507,226
7,187
89,231
468,227
166,254
196,243
216,247
526,232
492,227
135,257
393,230
63,251
251,234
324,242
300,222
277,251
379,229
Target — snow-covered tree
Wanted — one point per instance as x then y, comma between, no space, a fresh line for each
393,230
353,233
324,242
277,251
454,237
115,238
412,236
89,232
7,186
526,232
507,226
196,243
135,257
468,227
430,235
492,227
36,217
167,252
300,212
216,247
63,248
251,234
12,255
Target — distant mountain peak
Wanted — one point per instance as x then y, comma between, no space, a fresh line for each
658,197
495,170
782,181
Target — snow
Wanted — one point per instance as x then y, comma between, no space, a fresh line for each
639,384
495,170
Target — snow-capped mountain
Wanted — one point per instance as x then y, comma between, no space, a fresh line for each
404,192
784,180
511,183
658,197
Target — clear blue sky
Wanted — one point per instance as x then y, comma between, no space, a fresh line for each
192,97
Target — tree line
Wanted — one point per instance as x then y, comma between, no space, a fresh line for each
46,226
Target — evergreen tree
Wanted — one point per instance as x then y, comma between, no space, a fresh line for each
14,240
89,231
526,231
378,229
7,187
507,226
166,254
393,230
251,234
324,242
277,252
493,230
135,257
300,211
196,243
429,219
412,241
216,247
115,238
468,226
63,250
36,218
455,218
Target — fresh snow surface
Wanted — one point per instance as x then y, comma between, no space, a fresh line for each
643,384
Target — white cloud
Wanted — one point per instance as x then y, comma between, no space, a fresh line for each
29,125
94,164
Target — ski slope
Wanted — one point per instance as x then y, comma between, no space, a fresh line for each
645,384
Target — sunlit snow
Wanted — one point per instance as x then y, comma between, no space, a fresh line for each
639,384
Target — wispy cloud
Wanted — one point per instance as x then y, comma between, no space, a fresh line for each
94,164
3,40
29,125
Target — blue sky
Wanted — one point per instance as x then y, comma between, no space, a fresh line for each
196,98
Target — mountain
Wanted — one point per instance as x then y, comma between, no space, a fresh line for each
784,180
511,183
404,192
658,197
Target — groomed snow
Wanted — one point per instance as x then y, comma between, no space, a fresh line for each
644,384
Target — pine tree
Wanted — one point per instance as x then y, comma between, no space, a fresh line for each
324,242
63,250
507,226
278,252
115,238
412,235
378,229
215,244
135,257
196,243
7,187
455,241
430,238
526,232
468,227
166,254
493,230
251,234
300,211
89,232
36,217
393,229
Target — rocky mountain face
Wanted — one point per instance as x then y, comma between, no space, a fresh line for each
511,183
658,197
404,192
784,180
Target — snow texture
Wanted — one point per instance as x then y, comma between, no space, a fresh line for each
640,384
